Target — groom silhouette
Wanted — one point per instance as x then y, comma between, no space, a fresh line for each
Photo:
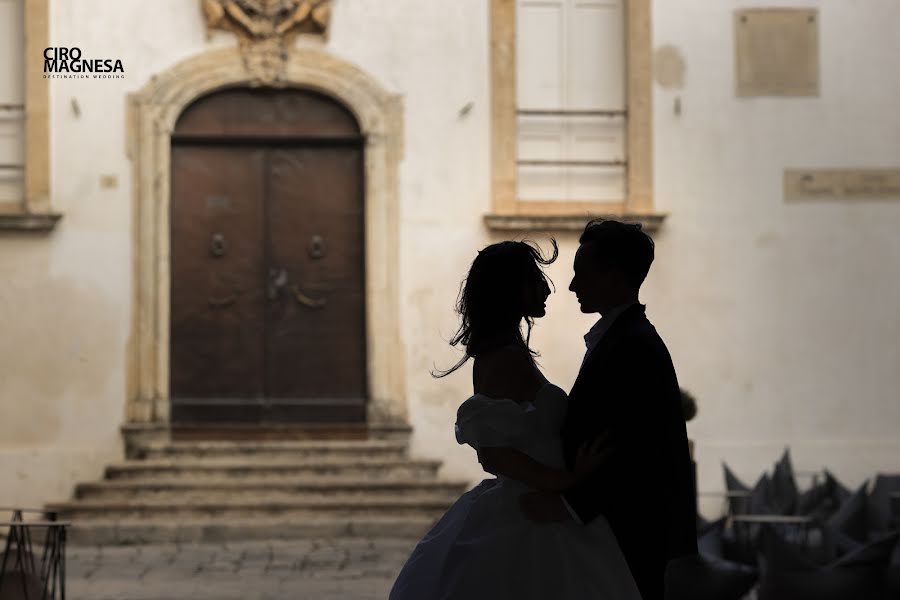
627,394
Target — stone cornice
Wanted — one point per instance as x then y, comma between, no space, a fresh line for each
27,221
537,222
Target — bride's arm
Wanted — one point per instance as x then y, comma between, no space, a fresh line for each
517,465
509,373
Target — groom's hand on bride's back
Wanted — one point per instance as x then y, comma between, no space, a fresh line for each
543,507
591,455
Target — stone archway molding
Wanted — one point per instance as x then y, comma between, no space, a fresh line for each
152,113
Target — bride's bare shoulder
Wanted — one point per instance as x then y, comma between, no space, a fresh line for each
505,372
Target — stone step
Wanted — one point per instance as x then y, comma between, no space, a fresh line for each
216,489
254,508
107,532
288,450
362,469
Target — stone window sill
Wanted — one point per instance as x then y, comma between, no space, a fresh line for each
531,222
28,221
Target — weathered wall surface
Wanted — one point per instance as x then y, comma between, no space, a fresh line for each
781,318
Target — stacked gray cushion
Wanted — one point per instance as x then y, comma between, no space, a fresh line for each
848,528
892,575
708,576
783,494
879,504
736,505
823,499
787,575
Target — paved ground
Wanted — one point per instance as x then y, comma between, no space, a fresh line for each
346,569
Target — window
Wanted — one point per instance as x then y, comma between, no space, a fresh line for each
24,117
571,112
570,94
12,103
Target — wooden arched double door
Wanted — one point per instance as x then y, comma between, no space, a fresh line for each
267,254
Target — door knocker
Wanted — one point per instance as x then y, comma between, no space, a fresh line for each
305,300
217,245
316,247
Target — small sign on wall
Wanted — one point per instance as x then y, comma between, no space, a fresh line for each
777,52
841,184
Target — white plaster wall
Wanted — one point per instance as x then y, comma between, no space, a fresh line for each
65,298
780,318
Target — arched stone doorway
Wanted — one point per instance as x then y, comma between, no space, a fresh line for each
153,114
267,317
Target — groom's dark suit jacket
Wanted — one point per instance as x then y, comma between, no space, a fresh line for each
645,489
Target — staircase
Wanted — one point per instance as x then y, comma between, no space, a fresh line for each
213,491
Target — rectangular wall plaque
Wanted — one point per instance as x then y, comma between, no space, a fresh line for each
777,52
841,184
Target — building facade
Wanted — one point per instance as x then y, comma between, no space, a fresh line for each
428,130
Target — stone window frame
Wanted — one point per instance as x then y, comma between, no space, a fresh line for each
34,213
510,213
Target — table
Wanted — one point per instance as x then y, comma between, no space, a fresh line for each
735,502
745,524
52,574
895,509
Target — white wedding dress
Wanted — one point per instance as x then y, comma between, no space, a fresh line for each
484,548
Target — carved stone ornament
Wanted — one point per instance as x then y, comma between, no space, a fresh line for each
266,28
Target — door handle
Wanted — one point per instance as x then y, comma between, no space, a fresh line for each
316,248
277,280
222,302
217,245
305,300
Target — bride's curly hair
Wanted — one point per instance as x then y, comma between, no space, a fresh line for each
490,297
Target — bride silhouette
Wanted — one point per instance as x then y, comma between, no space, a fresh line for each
485,546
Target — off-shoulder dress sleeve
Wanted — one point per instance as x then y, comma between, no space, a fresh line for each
482,421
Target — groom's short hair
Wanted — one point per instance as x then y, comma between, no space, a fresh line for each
623,246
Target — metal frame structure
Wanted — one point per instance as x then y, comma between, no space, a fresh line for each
52,573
